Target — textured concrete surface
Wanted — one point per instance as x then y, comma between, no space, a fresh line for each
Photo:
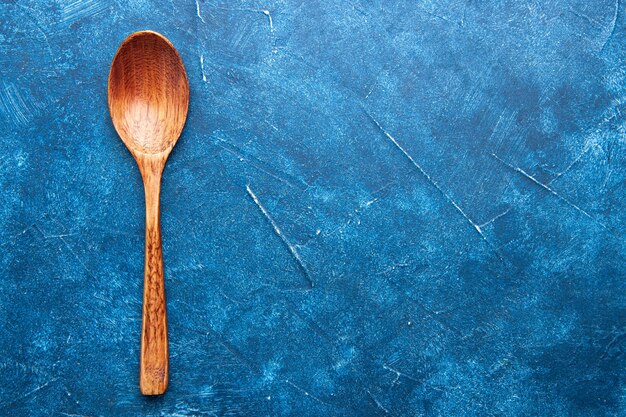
403,208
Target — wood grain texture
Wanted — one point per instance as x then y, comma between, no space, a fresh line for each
148,101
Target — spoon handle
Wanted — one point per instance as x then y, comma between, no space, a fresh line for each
154,353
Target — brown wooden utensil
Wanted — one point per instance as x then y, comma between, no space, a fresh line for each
148,102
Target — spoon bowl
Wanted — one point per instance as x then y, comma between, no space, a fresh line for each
148,93
148,101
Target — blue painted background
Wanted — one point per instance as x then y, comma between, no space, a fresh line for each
403,208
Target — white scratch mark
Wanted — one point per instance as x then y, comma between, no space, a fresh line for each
232,350
26,229
15,105
590,20
269,16
444,18
39,387
198,12
495,128
378,404
71,251
433,182
580,155
31,392
305,392
548,188
398,374
98,297
292,249
258,164
223,294
59,236
488,222
202,67
81,9
370,202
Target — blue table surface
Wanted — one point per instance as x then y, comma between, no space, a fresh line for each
403,208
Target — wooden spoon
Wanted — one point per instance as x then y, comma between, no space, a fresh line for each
148,102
